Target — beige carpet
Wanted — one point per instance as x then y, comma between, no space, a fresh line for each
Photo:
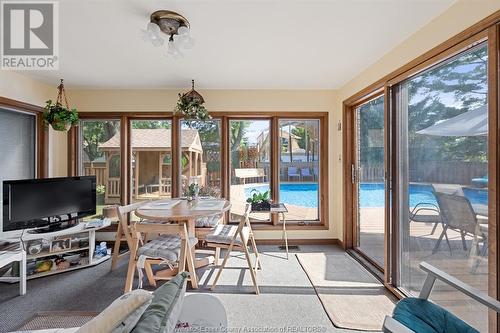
351,296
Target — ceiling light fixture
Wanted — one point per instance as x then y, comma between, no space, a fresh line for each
172,24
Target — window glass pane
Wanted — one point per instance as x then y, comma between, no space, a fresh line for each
201,160
299,168
100,156
444,180
151,148
370,186
249,159
17,135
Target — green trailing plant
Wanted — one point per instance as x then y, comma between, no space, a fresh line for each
259,197
59,117
191,108
260,200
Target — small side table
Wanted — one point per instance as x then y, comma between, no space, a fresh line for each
280,209
7,257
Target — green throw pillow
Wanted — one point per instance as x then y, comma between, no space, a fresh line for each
162,314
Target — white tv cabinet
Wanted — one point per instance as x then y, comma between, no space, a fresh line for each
79,253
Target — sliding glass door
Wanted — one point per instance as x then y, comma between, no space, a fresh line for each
443,179
368,179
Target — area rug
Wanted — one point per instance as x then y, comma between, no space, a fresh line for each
350,295
56,319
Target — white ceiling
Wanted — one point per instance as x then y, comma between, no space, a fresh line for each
240,44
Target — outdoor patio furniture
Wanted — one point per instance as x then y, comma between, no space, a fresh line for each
293,172
458,214
245,173
306,173
480,182
419,315
233,237
418,214
316,172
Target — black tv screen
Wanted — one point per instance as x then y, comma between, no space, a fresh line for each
39,202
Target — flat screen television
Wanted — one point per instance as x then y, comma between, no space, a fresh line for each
37,203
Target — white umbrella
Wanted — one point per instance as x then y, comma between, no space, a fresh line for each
470,123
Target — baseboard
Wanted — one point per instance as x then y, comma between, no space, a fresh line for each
318,241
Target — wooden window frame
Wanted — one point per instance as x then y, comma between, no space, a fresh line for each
225,118
41,133
487,30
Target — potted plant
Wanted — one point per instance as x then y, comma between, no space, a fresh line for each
59,117
100,191
190,106
260,200
192,191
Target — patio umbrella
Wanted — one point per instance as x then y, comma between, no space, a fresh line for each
470,123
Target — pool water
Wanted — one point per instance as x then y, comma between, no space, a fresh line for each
371,194
301,194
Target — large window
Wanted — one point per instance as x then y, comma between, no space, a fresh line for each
151,150
100,156
229,156
18,148
201,156
443,168
250,151
299,168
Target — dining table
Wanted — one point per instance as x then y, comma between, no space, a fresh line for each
183,211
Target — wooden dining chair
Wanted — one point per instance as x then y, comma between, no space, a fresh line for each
172,246
123,231
232,237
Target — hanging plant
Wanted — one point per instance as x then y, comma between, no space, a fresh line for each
60,116
190,106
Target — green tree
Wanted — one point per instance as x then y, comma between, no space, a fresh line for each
95,133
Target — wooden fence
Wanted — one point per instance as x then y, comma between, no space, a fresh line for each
448,172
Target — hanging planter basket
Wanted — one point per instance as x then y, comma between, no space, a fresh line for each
57,115
190,106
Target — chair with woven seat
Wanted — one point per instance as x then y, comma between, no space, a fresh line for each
232,237
173,246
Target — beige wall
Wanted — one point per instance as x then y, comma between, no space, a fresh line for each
22,88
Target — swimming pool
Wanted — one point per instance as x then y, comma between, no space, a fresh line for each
300,194
371,194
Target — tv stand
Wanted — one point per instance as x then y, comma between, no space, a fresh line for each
54,227
79,254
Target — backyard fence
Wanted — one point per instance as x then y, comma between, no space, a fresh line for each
449,172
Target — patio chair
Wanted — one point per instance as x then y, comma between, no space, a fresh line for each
416,215
316,172
233,237
420,315
173,246
457,214
293,172
305,172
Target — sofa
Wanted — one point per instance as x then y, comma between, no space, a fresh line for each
165,310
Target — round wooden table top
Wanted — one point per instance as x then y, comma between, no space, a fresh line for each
180,212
